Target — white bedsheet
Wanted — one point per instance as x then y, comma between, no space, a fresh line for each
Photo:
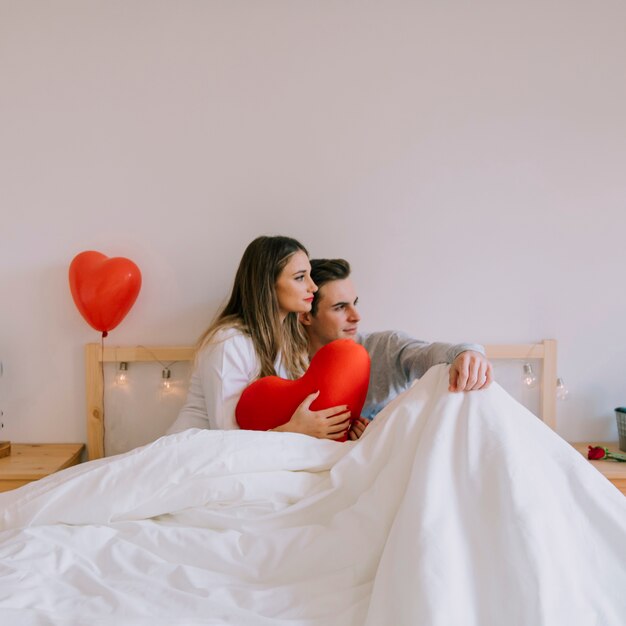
452,510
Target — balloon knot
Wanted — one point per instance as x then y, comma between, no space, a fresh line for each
104,333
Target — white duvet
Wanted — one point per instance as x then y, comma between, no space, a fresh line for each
452,510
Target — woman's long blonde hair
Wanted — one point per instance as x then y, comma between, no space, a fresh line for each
253,307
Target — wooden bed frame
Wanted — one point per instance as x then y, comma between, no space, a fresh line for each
544,351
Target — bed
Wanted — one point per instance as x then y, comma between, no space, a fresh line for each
544,351
451,509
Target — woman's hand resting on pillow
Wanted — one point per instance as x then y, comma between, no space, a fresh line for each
330,423
470,371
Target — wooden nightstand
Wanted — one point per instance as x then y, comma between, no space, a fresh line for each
32,461
613,470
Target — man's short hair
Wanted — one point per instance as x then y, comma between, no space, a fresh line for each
324,271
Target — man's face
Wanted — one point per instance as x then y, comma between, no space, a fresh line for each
336,316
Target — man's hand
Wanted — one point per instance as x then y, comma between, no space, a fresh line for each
470,371
357,428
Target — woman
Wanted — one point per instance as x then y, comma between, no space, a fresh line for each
257,334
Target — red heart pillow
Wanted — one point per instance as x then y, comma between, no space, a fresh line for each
339,371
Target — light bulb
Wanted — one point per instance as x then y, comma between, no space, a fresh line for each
528,376
561,389
166,379
121,378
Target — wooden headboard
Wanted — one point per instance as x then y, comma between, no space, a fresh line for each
95,355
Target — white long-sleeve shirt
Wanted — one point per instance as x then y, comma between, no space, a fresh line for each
224,368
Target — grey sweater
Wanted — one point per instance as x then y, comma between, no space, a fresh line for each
398,360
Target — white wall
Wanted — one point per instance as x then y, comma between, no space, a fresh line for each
468,159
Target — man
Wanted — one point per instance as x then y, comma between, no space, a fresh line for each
396,359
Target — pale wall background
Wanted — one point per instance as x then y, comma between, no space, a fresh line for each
468,158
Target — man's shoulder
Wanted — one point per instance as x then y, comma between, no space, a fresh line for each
383,337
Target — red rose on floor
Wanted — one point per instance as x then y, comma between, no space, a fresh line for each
596,453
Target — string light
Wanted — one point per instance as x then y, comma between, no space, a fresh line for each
166,379
166,385
529,378
121,378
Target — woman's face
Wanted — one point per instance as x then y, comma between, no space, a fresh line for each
294,287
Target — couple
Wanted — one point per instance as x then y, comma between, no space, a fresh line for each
281,311
454,509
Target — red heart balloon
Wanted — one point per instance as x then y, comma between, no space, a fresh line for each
104,289
339,371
